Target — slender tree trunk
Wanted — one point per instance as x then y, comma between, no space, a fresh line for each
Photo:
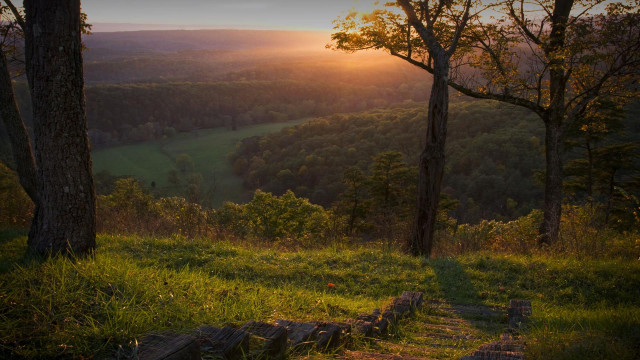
354,209
431,167
550,227
554,123
612,186
590,174
66,196
18,136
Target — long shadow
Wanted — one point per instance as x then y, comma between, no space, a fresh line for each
461,296
454,282
7,235
12,249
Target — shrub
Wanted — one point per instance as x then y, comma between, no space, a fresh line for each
16,208
581,236
271,217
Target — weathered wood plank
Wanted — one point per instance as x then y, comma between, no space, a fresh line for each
270,340
298,333
328,335
415,298
518,313
228,343
168,346
363,327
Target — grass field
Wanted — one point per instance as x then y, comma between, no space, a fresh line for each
151,161
83,308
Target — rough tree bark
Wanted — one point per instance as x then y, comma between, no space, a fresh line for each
554,139
431,167
65,211
18,136
555,123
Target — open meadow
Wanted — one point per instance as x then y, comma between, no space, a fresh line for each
86,308
151,161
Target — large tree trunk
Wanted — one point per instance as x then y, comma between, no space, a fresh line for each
18,136
431,167
66,198
554,122
550,227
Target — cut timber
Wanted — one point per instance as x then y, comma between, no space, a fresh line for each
227,343
168,346
363,327
298,333
518,312
415,298
270,340
328,335
400,308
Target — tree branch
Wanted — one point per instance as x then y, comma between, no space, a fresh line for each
16,14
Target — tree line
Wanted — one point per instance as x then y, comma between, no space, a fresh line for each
128,113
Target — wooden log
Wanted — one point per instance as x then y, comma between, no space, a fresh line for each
227,343
169,346
415,299
363,327
270,340
401,307
518,313
298,333
328,335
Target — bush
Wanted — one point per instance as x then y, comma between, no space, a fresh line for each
16,208
270,217
581,236
129,209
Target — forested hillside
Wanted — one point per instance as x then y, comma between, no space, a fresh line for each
495,154
128,113
492,153
148,85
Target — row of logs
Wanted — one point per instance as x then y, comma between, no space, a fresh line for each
509,347
262,340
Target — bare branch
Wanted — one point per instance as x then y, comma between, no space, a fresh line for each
16,14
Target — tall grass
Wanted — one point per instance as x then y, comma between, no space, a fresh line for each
68,307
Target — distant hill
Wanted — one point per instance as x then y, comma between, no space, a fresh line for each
109,45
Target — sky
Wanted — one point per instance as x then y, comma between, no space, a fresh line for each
107,15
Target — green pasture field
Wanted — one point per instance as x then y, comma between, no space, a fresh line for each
151,161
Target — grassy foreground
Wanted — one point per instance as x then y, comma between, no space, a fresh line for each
88,307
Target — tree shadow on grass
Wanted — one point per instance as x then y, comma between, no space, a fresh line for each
13,247
8,235
458,291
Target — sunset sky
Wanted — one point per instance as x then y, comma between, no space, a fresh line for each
189,14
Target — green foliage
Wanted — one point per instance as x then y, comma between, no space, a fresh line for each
582,235
604,168
130,209
126,113
492,151
270,217
66,308
16,208
390,183
353,202
208,149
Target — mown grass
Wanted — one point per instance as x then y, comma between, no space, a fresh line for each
65,307
151,161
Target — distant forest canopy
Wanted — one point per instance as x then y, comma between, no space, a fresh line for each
495,155
146,85
492,153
